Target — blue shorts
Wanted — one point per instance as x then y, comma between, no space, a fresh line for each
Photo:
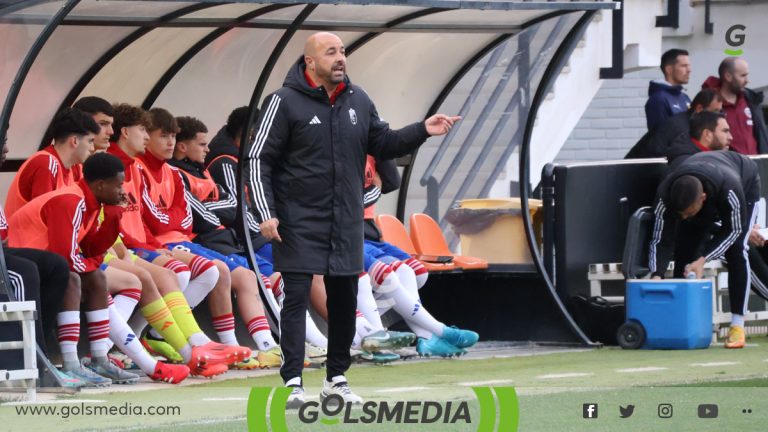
146,254
382,251
264,260
233,261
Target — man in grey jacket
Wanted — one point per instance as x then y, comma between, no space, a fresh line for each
305,171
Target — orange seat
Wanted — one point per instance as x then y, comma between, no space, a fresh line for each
393,231
428,240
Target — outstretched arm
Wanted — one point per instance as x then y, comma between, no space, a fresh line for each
386,143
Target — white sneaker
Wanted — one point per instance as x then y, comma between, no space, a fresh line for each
340,387
296,398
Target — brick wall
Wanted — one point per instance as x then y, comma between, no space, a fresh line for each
613,122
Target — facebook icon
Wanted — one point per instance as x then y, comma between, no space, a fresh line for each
589,410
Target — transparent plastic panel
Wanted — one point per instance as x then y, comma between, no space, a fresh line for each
286,14
130,76
225,11
70,51
494,97
44,11
404,72
230,68
18,32
221,77
17,39
369,14
480,17
125,9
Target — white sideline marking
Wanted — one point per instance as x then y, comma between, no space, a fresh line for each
225,399
480,383
55,402
642,369
401,389
714,364
565,375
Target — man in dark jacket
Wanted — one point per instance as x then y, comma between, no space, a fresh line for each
227,139
709,131
707,188
666,97
306,175
741,106
655,144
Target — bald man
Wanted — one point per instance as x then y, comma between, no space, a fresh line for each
306,168
741,106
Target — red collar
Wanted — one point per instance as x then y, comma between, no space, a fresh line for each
115,150
153,164
698,144
151,161
52,150
91,204
339,88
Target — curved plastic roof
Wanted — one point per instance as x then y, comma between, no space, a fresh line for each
204,58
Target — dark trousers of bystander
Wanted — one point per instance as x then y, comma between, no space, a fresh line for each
40,276
690,242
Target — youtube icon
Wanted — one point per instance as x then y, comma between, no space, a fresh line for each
707,411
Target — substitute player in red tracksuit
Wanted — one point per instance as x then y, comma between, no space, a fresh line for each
81,242
169,219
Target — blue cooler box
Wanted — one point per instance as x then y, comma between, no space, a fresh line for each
676,313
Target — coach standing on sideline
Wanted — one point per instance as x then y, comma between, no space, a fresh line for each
306,179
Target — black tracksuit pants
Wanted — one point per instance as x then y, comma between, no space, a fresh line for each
690,243
342,303
758,263
40,276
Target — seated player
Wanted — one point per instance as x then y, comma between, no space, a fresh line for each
372,341
190,344
81,203
395,287
208,201
103,114
396,278
170,220
72,134
44,276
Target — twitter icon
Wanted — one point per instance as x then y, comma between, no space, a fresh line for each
627,411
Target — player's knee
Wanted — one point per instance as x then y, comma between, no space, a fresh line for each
93,284
73,285
244,282
143,278
225,278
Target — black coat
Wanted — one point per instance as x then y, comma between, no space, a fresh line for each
223,170
732,184
679,150
759,128
656,144
306,168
